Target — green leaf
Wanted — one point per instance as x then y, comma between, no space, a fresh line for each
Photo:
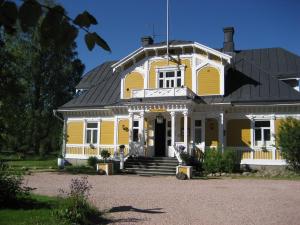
29,14
8,14
101,42
85,19
90,41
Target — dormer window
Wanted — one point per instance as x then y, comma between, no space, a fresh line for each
170,77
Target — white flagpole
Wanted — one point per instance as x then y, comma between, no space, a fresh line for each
168,30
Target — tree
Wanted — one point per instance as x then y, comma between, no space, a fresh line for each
56,25
35,79
289,141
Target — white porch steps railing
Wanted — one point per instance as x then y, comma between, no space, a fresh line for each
162,92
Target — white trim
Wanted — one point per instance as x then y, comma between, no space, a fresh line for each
193,45
264,162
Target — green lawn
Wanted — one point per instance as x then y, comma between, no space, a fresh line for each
37,213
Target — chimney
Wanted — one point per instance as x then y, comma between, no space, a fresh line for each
228,45
146,40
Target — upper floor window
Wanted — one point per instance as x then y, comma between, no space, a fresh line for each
262,133
169,79
91,133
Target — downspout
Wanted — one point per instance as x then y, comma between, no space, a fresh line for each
63,147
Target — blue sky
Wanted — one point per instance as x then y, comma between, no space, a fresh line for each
257,23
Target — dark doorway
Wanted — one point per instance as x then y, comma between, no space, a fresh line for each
160,138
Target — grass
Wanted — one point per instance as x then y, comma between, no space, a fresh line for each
31,162
38,211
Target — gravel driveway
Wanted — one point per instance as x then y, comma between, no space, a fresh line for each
165,200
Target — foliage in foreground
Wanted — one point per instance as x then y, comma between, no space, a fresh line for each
12,189
74,207
289,141
215,161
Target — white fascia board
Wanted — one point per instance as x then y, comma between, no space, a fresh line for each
195,44
213,51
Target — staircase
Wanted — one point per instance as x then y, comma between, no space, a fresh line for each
151,166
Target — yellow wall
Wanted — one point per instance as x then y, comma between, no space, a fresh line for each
75,132
123,132
164,63
107,133
208,81
133,80
211,132
239,133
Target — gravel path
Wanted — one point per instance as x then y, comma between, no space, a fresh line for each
165,200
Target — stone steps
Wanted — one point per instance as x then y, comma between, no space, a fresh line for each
151,166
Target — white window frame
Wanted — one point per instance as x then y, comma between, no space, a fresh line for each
92,132
262,142
173,69
135,128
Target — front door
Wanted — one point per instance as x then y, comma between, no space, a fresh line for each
160,138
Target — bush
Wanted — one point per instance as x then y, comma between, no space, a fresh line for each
92,161
105,154
74,207
229,161
216,161
289,141
11,188
212,162
185,157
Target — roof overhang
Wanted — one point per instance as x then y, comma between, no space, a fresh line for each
194,45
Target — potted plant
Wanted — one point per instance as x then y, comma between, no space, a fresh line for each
105,166
185,167
60,161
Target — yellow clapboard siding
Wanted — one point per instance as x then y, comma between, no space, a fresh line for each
208,80
164,63
123,132
107,133
239,133
75,132
211,132
133,80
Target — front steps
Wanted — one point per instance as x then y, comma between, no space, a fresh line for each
151,166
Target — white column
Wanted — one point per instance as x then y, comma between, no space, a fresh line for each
115,136
252,138
63,147
273,137
130,132
142,133
185,137
173,128
221,130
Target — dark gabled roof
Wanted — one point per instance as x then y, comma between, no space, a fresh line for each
247,83
276,61
103,88
253,79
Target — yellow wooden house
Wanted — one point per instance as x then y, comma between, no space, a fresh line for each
195,96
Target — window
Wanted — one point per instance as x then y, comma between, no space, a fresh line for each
262,133
91,133
198,132
169,79
135,131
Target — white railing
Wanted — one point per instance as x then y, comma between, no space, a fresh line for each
162,92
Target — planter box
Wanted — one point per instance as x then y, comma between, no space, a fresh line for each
187,170
107,167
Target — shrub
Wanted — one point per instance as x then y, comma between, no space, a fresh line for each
74,207
212,162
11,187
229,161
92,161
105,154
289,141
185,157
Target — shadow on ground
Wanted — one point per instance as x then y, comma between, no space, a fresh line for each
127,208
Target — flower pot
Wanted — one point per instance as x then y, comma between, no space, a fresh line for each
187,170
60,163
107,167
